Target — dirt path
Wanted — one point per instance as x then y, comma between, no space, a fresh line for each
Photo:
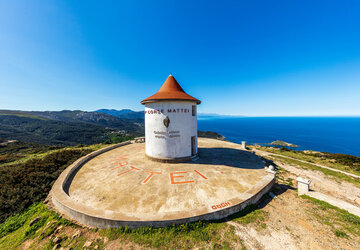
291,221
321,182
260,152
291,225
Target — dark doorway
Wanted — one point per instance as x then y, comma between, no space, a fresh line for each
193,147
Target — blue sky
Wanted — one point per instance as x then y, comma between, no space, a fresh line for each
254,58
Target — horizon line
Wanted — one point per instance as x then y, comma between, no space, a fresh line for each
205,114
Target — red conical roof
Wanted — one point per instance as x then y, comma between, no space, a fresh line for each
170,90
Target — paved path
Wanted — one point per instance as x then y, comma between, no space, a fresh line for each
335,202
318,165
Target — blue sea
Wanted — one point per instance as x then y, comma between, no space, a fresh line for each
325,134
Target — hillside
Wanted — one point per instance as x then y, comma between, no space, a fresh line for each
65,127
75,127
49,132
101,119
123,113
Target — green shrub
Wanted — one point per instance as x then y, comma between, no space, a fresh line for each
17,229
185,235
341,234
23,184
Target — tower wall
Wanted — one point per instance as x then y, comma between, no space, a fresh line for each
175,140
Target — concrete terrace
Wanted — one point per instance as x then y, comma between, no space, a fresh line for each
123,185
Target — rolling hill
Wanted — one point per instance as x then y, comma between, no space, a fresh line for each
64,127
123,113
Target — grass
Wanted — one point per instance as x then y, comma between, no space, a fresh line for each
250,214
341,221
24,155
325,159
341,234
336,175
16,229
187,235
281,179
22,184
20,114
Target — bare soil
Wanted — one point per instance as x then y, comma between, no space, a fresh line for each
291,225
321,182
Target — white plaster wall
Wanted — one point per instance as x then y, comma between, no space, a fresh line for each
167,143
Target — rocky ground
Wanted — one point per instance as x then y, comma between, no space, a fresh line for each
319,181
291,224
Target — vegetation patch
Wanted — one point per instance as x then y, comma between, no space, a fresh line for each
49,131
42,226
281,177
65,127
282,143
344,162
341,234
18,228
341,221
251,214
19,152
336,175
20,114
186,235
113,138
22,184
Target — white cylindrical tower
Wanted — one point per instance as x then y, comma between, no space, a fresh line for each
171,123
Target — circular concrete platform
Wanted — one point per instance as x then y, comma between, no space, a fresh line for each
120,186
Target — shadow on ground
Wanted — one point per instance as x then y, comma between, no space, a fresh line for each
229,157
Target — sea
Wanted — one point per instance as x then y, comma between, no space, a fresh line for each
324,134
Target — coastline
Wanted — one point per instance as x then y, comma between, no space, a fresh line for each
323,134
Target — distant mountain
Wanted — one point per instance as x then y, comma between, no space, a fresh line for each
123,113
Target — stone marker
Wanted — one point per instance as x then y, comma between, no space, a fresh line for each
271,169
303,185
